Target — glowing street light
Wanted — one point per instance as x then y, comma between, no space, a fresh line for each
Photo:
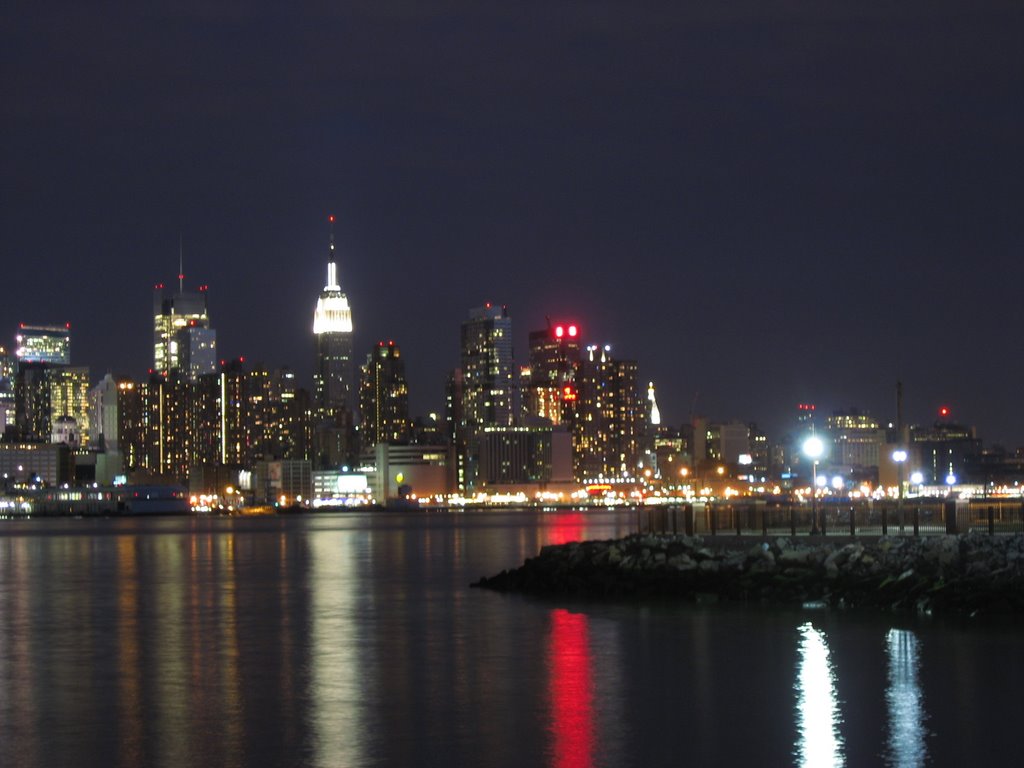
900,457
813,449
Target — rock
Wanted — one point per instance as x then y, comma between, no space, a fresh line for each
965,574
794,557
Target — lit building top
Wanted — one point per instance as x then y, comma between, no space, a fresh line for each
655,413
333,313
172,314
44,344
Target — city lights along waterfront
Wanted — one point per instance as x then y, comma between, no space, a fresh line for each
571,422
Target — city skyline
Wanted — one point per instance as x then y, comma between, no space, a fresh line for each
761,208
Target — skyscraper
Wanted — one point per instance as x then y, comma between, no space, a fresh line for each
332,332
182,319
8,373
69,398
609,417
384,397
50,344
332,370
488,398
554,357
487,367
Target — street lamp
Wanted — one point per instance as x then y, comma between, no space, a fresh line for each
813,449
900,457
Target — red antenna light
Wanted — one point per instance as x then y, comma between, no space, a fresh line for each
331,218
559,331
572,331
944,411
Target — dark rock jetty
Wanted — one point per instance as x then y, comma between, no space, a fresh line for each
968,574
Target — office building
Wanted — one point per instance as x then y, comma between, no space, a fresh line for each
183,311
333,422
550,390
196,350
48,344
332,334
488,398
608,425
384,397
8,374
69,398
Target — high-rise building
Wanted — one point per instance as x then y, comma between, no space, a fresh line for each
50,344
554,357
334,426
487,367
8,373
488,399
332,334
609,417
384,397
858,439
44,393
197,350
173,314
69,398
32,402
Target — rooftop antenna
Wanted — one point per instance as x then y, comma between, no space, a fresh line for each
181,265
332,267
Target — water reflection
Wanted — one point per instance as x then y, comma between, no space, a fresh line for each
571,690
337,689
903,696
819,742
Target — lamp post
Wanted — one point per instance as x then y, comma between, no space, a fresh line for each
813,449
900,457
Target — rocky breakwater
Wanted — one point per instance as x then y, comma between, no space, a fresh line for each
946,574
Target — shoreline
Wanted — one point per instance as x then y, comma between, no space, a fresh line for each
968,574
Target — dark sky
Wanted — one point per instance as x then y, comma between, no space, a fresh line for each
763,202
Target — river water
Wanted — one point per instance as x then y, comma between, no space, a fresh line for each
354,640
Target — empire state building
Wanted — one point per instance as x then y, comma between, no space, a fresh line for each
332,334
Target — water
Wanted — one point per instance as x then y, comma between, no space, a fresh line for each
353,640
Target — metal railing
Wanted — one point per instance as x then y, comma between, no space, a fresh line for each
912,517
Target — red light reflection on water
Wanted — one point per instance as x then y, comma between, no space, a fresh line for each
568,527
571,690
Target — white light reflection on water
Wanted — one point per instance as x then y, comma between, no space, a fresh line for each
337,689
817,707
903,696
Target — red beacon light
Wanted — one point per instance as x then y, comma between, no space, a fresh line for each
559,331
573,331
944,411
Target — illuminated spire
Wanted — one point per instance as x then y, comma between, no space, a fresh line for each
332,265
181,265
655,413
333,313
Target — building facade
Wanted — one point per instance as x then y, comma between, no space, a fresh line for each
487,396
184,311
608,425
384,397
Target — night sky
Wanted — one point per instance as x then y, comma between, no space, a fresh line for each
762,202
